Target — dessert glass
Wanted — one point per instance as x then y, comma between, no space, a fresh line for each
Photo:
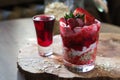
80,46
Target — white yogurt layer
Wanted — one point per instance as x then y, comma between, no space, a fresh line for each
84,50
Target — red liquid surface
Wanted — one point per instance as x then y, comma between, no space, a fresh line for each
44,29
77,39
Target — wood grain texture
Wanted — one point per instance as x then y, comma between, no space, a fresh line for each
36,67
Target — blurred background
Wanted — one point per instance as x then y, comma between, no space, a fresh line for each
104,10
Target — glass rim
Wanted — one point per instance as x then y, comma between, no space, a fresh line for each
52,17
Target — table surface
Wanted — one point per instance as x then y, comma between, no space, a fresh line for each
14,35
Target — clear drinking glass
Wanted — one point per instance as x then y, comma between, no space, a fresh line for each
80,46
44,25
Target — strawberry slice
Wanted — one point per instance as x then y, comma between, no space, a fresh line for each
89,19
64,28
64,22
80,22
72,22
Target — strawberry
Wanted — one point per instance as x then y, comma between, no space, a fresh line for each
62,23
80,22
88,19
63,20
72,22
65,29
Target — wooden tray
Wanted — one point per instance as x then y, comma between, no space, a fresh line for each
35,67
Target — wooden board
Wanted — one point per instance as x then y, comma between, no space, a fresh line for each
35,67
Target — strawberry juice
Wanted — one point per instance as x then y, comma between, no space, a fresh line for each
44,30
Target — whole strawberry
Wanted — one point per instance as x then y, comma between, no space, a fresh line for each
88,18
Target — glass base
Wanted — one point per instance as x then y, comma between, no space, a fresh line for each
79,68
45,51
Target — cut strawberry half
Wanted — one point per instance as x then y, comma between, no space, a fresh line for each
89,19
65,29
80,22
64,22
72,22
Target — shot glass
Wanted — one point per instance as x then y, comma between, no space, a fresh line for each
44,25
80,46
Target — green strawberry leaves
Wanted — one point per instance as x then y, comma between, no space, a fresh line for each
80,16
71,15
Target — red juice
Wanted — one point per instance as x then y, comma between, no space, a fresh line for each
44,29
